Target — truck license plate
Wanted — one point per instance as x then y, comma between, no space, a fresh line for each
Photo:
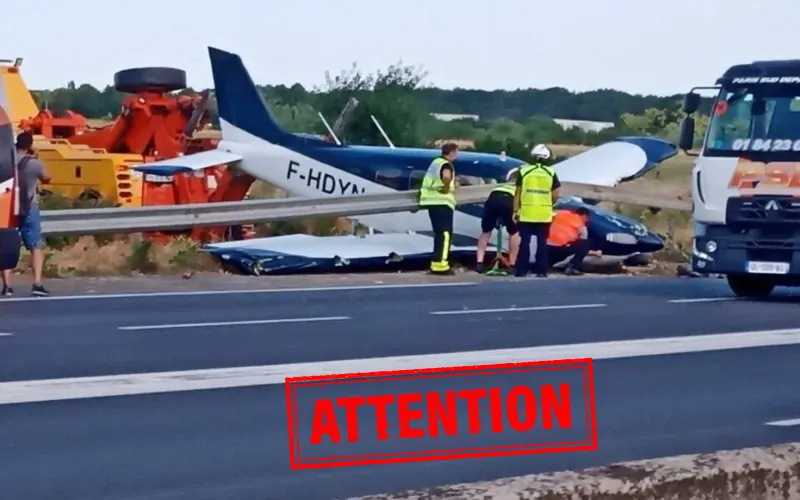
768,267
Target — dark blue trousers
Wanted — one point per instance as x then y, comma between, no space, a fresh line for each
9,248
579,249
527,231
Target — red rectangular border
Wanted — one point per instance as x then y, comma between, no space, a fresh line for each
454,454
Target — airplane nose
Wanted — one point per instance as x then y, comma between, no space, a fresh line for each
651,242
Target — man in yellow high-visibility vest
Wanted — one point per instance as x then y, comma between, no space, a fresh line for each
499,208
438,196
534,199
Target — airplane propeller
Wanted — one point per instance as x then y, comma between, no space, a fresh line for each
197,114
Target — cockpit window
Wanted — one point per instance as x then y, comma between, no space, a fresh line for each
391,177
469,180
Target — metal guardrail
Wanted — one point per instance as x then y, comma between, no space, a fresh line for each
171,217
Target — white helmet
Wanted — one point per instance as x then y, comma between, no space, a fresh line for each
541,151
511,174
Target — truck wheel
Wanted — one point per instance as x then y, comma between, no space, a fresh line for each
750,286
136,80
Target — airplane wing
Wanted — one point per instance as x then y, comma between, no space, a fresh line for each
382,252
621,160
302,253
188,163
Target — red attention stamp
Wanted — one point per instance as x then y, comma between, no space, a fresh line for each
441,413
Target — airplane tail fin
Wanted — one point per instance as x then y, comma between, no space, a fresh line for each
241,106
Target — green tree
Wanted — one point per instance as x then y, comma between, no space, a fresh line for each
432,129
297,117
663,123
387,95
511,146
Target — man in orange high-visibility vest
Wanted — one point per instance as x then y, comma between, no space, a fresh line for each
568,231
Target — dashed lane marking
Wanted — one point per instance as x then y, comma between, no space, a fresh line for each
232,323
784,423
517,309
702,299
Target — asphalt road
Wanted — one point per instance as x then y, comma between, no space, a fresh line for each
231,443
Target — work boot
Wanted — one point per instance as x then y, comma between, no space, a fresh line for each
449,272
480,268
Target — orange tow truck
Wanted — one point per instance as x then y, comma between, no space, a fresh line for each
157,121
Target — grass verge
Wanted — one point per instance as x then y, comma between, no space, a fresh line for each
125,256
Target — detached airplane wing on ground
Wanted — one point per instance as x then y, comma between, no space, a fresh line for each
303,253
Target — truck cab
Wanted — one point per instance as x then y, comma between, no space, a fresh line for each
746,179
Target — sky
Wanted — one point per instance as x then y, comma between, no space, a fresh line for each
660,47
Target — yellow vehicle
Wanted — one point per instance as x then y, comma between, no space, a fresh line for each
80,172
76,171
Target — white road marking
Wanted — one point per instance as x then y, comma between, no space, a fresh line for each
233,292
31,391
6,334
232,323
705,299
785,423
518,309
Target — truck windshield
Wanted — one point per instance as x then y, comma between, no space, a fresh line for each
761,121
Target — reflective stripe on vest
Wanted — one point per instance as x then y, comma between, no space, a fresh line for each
505,188
536,201
429,194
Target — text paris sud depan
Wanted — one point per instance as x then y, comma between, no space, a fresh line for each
420,414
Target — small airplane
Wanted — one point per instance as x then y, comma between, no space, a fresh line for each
309,166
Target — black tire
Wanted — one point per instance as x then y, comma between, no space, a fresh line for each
749,286
135,80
